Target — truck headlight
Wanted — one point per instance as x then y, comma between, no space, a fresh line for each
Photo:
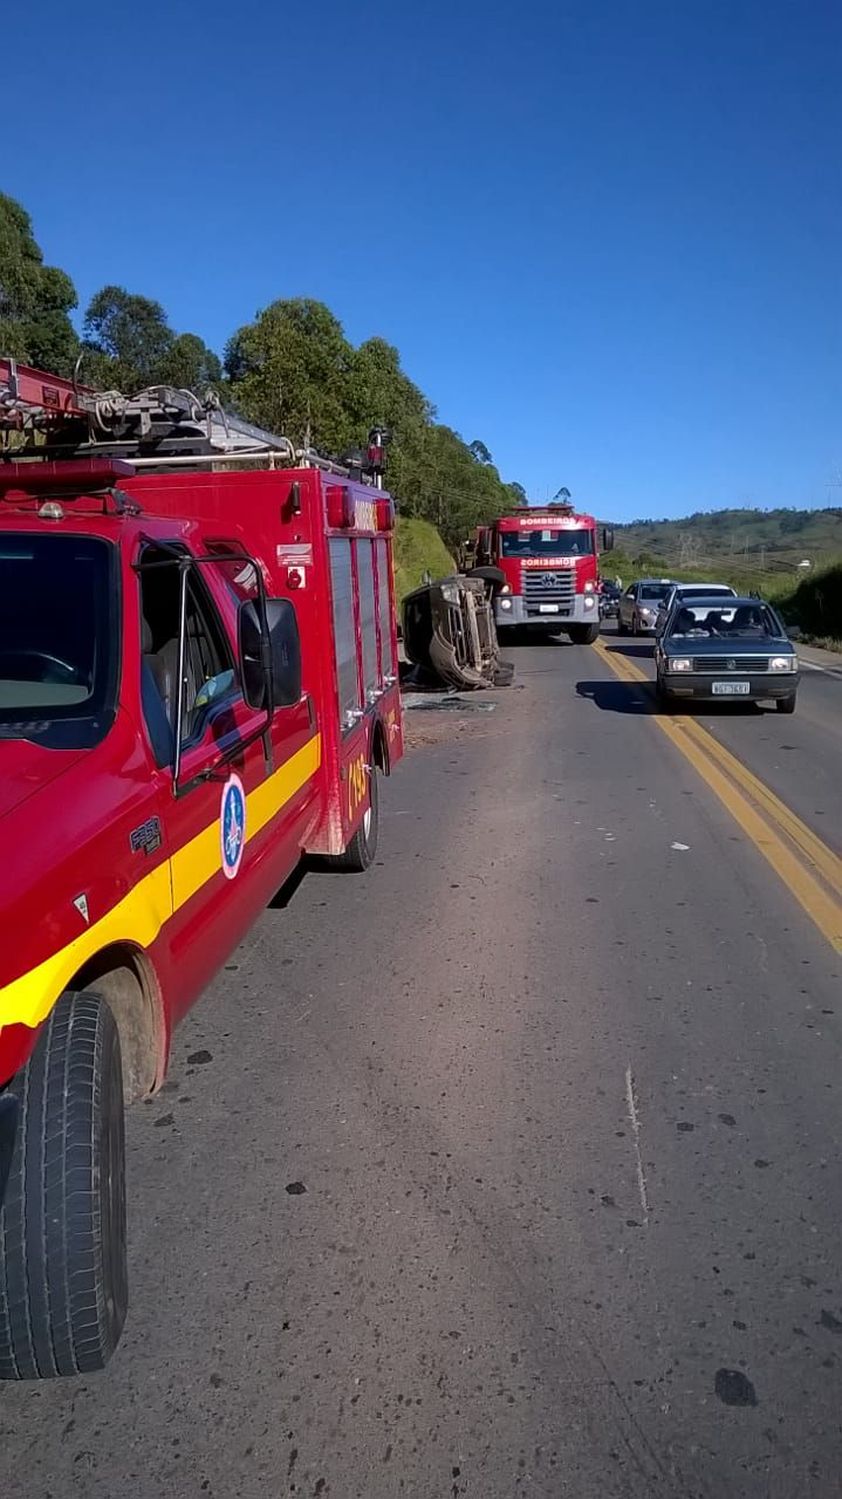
678,663
590,586
505,603
590,601
782,663
507,588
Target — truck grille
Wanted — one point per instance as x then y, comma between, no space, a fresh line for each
549,588
730,664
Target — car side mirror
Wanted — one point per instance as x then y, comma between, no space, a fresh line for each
275,656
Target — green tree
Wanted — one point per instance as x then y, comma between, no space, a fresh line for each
480,452
35,299
289,371
294,370
127,340
190,365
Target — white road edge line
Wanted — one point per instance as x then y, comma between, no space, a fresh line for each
635,1124
826,671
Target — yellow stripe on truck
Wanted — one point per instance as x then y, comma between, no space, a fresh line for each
143,912
137,918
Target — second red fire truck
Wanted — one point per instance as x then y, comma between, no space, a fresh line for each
198,686
549,558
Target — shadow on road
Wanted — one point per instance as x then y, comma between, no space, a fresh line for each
640,649
282,898
618,697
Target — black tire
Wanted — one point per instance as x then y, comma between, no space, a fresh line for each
63,1274
786,704
583,634
360,852
493,576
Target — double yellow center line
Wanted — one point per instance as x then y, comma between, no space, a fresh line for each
808,868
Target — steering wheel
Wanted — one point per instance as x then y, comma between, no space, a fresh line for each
53,668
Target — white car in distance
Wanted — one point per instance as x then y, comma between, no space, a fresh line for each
686,592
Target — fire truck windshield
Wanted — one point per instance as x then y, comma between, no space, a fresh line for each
58,638
547,543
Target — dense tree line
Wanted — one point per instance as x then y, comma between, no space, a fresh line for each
292,369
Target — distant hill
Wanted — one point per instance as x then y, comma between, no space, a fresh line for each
770,539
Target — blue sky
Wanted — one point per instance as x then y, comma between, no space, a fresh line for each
604,234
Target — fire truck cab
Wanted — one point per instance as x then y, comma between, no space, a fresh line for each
198,686
549,561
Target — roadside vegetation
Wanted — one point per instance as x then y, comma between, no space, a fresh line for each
419,552
812,599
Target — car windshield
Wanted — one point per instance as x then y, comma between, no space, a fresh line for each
654,591
57,638
547,543
745,622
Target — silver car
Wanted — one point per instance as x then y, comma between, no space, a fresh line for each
639,605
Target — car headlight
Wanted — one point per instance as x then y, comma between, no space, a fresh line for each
782,663
505,603
678,663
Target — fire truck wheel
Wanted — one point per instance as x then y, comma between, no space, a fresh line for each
63,1279
359,854
584,634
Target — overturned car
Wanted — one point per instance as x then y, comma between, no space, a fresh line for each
449,633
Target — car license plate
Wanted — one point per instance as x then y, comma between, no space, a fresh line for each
548,608
731,689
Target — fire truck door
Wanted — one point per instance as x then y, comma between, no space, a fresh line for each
236,826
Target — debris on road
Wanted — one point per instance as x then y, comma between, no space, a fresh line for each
452,701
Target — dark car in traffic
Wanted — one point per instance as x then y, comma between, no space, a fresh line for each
726,649
609,599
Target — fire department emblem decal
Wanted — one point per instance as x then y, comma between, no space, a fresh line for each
232,825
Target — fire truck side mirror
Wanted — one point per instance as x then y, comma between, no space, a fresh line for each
279,653
607,544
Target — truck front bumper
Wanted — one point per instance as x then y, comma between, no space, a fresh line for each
583,609
761,686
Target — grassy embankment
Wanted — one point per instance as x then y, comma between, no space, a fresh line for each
418,550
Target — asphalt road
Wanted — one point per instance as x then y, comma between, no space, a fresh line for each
800,758
510,1167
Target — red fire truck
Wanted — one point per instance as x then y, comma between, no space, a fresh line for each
198,686
549,559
